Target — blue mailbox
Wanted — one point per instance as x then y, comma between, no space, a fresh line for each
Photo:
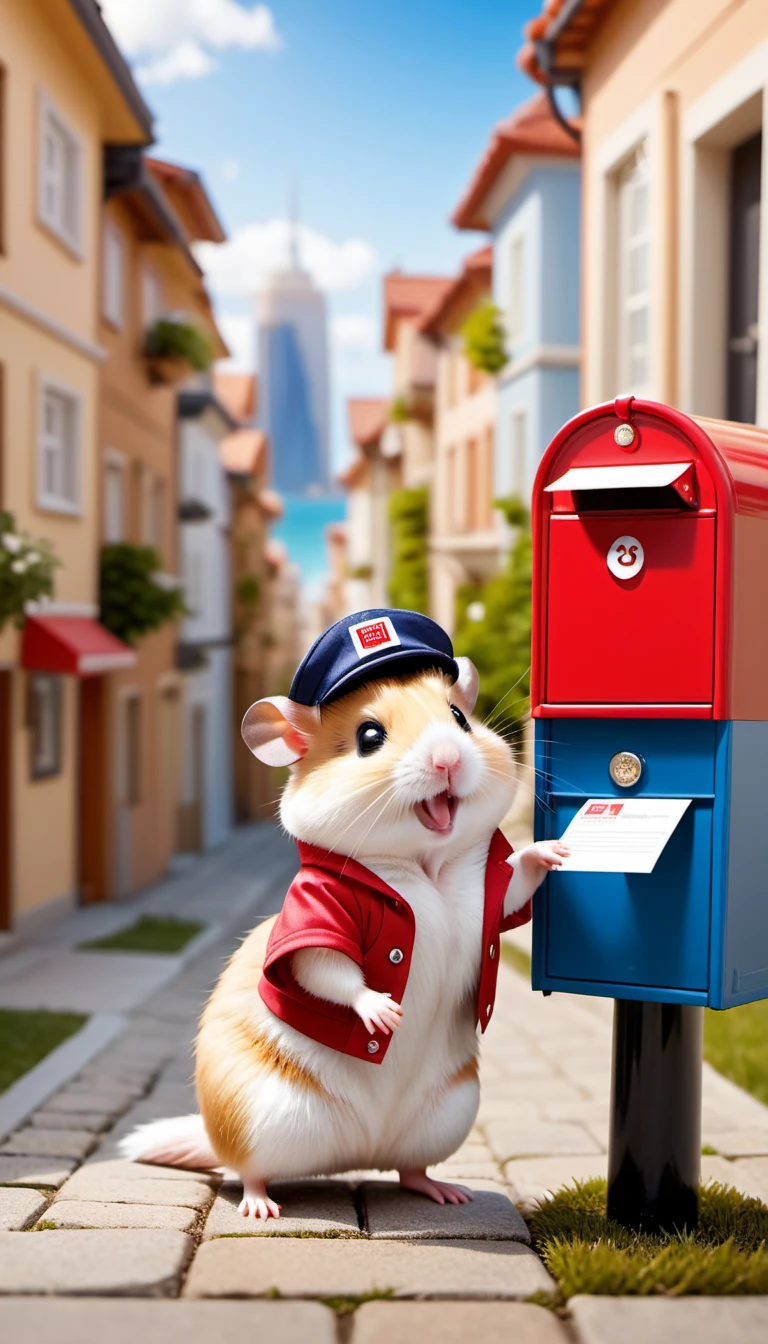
649,682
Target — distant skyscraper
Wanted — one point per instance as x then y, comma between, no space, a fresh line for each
293,377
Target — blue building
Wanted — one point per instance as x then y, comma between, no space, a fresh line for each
526,192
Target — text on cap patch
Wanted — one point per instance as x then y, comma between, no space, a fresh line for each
370,636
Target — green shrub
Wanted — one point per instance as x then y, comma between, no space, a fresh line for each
398,410
26,570
176,338
484,338
132,601
248,590
359,571
409,578
500,644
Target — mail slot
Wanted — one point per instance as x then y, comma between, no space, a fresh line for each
650,682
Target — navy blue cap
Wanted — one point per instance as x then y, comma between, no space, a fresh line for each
370,644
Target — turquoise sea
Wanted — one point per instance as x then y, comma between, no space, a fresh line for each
302,529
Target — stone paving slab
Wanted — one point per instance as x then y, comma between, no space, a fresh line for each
95,1121
20,1208
440,1323
670,1320
741,1142
102,1214
315,1267
117,1168
110,1103
120,1263
34,1142
319,1209
88,1184
394,1214
749,1174
95,1320
510,1139
50,1172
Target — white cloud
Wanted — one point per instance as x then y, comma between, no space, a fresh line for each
238,332
354,332
230,170
185,61
240,265
174,38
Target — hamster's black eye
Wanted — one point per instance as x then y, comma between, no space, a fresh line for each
370,736
460,718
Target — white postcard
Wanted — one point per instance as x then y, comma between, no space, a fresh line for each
614,835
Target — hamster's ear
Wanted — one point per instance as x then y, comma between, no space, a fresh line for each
278,731
465,690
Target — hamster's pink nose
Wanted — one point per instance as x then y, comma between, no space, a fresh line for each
446,757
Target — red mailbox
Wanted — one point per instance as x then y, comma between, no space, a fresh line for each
651,582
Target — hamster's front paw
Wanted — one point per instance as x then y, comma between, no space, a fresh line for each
546,854
378,1011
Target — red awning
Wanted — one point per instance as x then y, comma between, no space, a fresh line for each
76,645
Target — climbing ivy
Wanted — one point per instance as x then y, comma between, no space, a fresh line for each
409,519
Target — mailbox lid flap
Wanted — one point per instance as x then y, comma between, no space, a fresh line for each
638,476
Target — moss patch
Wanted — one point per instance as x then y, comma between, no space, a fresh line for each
736,1044
27,1037
588,1253
516,957
150,933
344,1306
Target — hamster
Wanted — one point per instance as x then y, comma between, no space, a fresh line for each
399,776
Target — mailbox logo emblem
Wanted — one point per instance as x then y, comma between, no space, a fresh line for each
625,558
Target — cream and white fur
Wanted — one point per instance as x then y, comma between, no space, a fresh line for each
276,1104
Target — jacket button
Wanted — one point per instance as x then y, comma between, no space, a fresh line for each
395,956
373,1047
492,951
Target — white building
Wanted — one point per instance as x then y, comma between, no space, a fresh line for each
205,647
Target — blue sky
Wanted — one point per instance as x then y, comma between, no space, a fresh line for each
378,111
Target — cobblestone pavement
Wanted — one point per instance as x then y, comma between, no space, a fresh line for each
79,1227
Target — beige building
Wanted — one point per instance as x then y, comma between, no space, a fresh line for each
406,299
375,471
66,94
466,535
675,101
153,211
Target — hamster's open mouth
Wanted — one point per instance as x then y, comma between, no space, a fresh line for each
437,813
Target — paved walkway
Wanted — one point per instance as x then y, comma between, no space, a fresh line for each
187,1267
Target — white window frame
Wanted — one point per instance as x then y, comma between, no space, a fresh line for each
114,464
48,500
150,284
517,305
46,722
70,234
113,280
633,176
518,460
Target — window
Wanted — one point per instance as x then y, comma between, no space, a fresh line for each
130,783
517,314
44,718
634,278
151,297
114,497
194,588
60,181
152,505
518,450
60,433
113,285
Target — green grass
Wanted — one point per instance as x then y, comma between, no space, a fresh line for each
735,1040
587,1253
27,1037
149,934
344,1306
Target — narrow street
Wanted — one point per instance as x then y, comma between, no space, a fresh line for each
109,1228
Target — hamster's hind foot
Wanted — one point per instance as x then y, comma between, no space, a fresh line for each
256,1202
440,1191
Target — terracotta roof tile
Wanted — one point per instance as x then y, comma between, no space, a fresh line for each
571,36
368,417
239,393
242,451
354,473
531,129
190,187
473,280
408,297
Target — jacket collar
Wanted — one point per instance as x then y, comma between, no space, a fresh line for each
312,856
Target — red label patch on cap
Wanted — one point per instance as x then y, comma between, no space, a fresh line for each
370,636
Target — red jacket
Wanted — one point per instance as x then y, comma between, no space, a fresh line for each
335,902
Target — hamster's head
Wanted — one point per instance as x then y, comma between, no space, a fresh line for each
396,767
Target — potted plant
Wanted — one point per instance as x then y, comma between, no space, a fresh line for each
173,347
26,571
484,339
135,597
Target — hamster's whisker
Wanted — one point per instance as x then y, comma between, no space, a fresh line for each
373,803
373,823
506,696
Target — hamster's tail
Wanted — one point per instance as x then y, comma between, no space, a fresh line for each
181,1142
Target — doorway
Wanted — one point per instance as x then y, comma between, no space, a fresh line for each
743,276
93,791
